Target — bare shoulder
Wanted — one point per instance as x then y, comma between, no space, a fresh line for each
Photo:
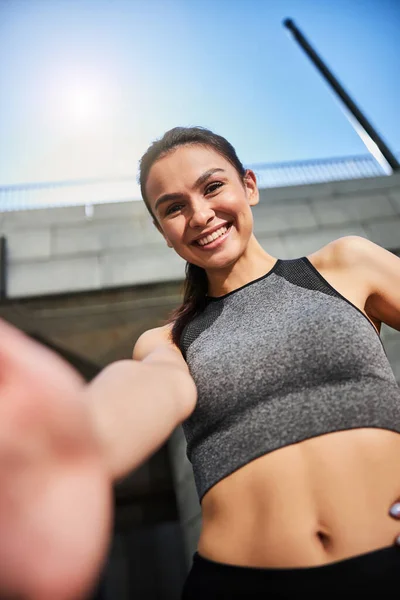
343,263
345,252
153,339
361,264
353,252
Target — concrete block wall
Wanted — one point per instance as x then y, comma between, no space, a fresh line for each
61,250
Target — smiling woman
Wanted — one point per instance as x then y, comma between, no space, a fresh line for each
187,216
291,375
181,195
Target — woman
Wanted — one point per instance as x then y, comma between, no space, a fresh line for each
294,435
294,439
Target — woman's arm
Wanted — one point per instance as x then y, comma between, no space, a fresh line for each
378,268
381,270
136,404
61,443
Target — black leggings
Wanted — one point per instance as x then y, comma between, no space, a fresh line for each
372,575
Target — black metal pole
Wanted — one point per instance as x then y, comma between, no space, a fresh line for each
343,95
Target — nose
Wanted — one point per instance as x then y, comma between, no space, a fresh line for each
202,214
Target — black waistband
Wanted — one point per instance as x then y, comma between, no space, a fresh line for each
374,574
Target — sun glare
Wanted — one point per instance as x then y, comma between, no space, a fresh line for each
82,102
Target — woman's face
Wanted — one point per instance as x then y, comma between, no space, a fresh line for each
201,205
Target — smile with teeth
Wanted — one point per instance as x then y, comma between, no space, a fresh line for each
213,236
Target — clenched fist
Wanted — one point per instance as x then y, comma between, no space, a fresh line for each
55,496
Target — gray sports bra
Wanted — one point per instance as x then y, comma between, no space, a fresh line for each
281,359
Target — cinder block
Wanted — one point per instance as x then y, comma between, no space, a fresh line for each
295,193
271,196
75,240
275,219
366,208
352,209
42,217
385,233
98,236
331,211
120,234
29,244
142,265
302,244
367,184
274,245
52,277
151,235
318,190
119,210
394,196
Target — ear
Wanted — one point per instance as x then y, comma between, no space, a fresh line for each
250,184
157,225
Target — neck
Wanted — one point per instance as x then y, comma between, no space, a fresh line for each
252,264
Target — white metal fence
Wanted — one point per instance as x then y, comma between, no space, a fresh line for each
96,191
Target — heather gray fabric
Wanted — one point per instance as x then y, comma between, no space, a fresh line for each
279,360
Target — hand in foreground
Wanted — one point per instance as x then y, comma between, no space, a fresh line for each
55,497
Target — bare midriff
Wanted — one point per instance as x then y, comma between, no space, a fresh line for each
308,504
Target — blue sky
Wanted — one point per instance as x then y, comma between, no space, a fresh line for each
86,86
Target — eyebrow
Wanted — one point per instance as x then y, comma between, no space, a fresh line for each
177,196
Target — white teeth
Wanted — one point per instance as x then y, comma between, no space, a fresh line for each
212,236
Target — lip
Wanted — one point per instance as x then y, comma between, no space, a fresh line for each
215,243
210,231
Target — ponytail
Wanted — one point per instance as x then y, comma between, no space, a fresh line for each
194,300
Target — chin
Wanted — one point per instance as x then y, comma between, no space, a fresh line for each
219,263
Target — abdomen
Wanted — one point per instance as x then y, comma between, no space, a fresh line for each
310,503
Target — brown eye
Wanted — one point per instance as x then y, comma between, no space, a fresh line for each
173,208
212,187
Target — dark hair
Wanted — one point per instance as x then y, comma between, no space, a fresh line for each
196,283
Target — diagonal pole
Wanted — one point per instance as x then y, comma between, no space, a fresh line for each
373,141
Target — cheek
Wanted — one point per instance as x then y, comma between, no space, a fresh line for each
174,231
237,201
244,214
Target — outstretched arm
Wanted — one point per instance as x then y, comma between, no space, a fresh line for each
62,442
136,404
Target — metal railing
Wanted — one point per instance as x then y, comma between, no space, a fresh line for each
84,192
89,192
322,170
